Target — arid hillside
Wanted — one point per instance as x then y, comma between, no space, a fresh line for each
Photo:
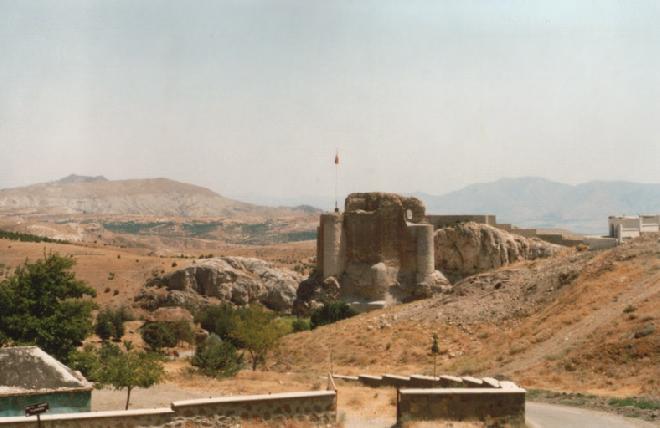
118,274
583,321
98,195
148,213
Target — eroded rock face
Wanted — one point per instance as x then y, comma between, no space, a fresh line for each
470,248
236,280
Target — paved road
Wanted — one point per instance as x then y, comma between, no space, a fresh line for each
542,415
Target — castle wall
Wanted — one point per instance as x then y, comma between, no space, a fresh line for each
441,220
379,249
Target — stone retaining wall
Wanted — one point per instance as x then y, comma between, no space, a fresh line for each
492,406
315,408
318,407
127,418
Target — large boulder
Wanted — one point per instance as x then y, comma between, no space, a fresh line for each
466,249
236,280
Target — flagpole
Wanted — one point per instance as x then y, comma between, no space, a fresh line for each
336,178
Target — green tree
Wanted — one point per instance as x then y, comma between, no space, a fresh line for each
110,323
121,370
301,324
218,358
183,331
86,361
331,312
218,319
158,335
258,331
42,303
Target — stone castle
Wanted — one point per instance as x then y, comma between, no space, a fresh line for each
384,249
381,248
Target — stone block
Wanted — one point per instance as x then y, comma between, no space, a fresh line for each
472,382
396,380
492,382
421,381
370,380
447,381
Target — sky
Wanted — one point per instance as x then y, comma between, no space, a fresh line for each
252,98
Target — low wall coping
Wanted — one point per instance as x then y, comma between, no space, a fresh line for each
473,380
89,415
435,379
508,385
448,391
366,376
452,378
344,377
244,398
393,376
492,382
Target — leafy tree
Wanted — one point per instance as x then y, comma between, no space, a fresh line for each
218,358
86,361
104,327
158,335
218,319
121,370
258,331
182,331
301,324
110,323
42,303
331,312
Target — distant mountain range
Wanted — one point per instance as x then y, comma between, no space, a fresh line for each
541,203
77,194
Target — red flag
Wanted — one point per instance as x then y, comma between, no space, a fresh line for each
337,158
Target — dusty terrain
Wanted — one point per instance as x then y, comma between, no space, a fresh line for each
162,215
118,274
577,322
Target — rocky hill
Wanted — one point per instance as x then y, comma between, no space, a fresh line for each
235,280
541,203
98,195
468,248
579,321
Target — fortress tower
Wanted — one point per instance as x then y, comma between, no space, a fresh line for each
380,249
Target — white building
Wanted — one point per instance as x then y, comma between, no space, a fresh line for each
625,227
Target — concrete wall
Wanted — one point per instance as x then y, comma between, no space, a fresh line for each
59,402
316,408
600,243
493,407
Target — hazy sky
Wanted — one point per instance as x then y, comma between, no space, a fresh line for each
252,97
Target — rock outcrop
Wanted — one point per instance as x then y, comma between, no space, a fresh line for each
236,280
469,248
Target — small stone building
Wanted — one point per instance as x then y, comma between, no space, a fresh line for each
29,375
625,227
